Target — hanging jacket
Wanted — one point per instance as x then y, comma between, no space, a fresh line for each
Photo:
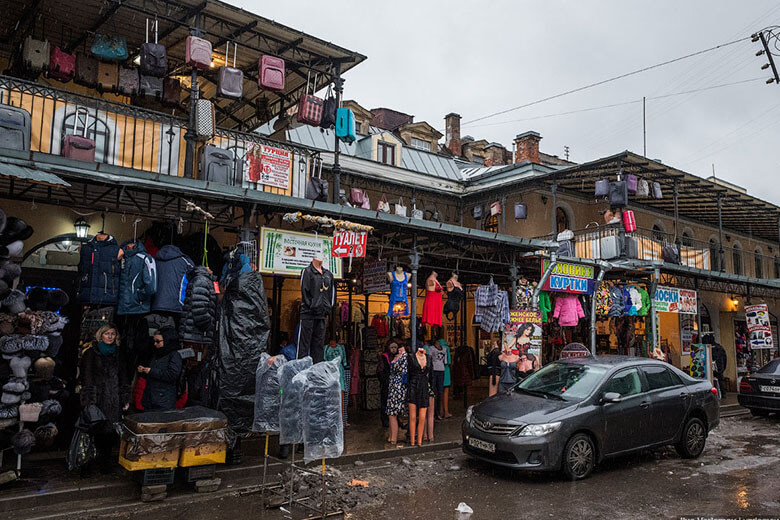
380,325
568,310
172,268
636,301
137,280
645,303
627,302
236,262
99,272
618,306
603,299
317,293
199,312
544,305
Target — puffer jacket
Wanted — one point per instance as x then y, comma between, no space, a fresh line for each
568,310
200,307
236,262
618,307
99,272
172,268
137,280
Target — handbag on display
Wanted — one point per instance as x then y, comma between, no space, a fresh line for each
602,188
417,213
383,205
629,221
366,202
110,47
476,212
631,183
495,209
317,187
356,196
618,194
657,194
521,211
400,209
643,188
329,107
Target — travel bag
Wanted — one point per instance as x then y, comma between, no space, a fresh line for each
15,128
79,147
329,109
171,91
86,70
345,125
197,52
230,82
631,183
356,196
216,165
35,54
272,73
150,86
657,194
670,255
108,77
476,212
631,248
317,187
496,209
643,188
154,57
629,221
521,211
618,194
109,47
602,188
128,81
205,122
62,65
610,247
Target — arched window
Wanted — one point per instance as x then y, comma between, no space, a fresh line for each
758,259
687,239
96,129
491,223
736,258
658,233
714,255
561,219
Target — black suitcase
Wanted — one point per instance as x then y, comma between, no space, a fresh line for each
631,248
216,165
154,57
618,194
151,86
15,128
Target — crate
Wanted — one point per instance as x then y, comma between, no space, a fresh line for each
194,473
158,476
163,460
211,453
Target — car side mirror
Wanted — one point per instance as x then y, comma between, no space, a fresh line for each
611,397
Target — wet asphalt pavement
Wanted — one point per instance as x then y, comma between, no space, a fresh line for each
738,475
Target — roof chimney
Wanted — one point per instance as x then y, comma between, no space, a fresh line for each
527,147
452,133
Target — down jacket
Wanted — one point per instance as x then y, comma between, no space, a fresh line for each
137,280
199,313
568,310
99,271
172,268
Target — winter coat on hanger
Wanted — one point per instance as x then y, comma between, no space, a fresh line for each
99,271
137,280
618,306
199,312
645,303
603,299
568,310
627,300
172,268
636,301
544,305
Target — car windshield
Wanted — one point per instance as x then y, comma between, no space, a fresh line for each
569,381
773,367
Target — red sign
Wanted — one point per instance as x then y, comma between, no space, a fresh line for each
348,244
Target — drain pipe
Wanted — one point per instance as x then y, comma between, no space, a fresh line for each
654,322
603,268
545,276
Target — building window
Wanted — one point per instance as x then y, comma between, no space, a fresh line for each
736,257
561,219
687,240
759,264
491,223
421,144
714,255
385,153
658,233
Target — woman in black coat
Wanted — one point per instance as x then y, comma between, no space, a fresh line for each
162,374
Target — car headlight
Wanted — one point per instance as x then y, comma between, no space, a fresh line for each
537,430
469,413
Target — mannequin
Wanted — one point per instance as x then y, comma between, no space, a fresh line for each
454,297
399,297
432,308
317,293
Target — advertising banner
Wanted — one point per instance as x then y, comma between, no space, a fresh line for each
268,165
290,252
569,278
375,277
524,334
759,328
671,299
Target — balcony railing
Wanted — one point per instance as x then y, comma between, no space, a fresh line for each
132,137
693,253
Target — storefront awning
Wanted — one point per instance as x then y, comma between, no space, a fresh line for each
32,175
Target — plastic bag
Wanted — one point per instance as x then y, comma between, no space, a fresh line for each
291,410
323,431
82,447
267,397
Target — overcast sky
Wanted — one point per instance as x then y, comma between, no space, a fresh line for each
430,58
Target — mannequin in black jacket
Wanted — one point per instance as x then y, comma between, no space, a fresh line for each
317,293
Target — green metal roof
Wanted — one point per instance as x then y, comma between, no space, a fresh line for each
32,175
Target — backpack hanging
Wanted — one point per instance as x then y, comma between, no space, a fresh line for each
602,188
643,188
317,187
329,107
657,194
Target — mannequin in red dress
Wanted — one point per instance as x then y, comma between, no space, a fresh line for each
432,308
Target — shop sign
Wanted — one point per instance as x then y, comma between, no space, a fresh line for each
759,328
524,333
375,277
268,165
574,350
290,252
671,299
349,244
569,278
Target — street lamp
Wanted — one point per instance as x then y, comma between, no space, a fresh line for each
82,228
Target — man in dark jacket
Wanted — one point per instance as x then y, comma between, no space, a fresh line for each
317,294
199,313
137,280
162,374
172,268
720,359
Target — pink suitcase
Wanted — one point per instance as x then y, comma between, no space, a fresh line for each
198,52
271,73
79,148
62,66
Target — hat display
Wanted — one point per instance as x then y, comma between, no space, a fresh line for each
43,368
9,412
14,302
20,365
15,229
23,441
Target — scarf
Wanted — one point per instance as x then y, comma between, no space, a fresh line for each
105,349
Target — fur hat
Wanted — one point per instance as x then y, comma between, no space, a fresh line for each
9,411
55,342
10,271
43,368
20,365
50,409
40,390
16,385
14,302
12,250
15,229
52,322
10,344
10,398
45,434
16,342
23,441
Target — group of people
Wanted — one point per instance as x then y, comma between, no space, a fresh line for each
414,383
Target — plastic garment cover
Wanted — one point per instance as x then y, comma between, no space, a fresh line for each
267,397
291,409
244,327
323,432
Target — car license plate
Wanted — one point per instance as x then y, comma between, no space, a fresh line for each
482,445
771,389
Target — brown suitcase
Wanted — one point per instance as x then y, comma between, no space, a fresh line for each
108,77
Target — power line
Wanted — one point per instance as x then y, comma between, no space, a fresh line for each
602,82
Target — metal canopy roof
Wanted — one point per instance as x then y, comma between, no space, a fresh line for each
697,197
73,25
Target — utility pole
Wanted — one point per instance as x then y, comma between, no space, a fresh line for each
566,152
644,127
765,37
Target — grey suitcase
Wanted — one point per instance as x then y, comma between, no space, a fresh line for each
15,128
128,81
610,247
216,165
632,248
231,79
150,86
35,54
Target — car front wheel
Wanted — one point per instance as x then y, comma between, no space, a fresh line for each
579,457
693,438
